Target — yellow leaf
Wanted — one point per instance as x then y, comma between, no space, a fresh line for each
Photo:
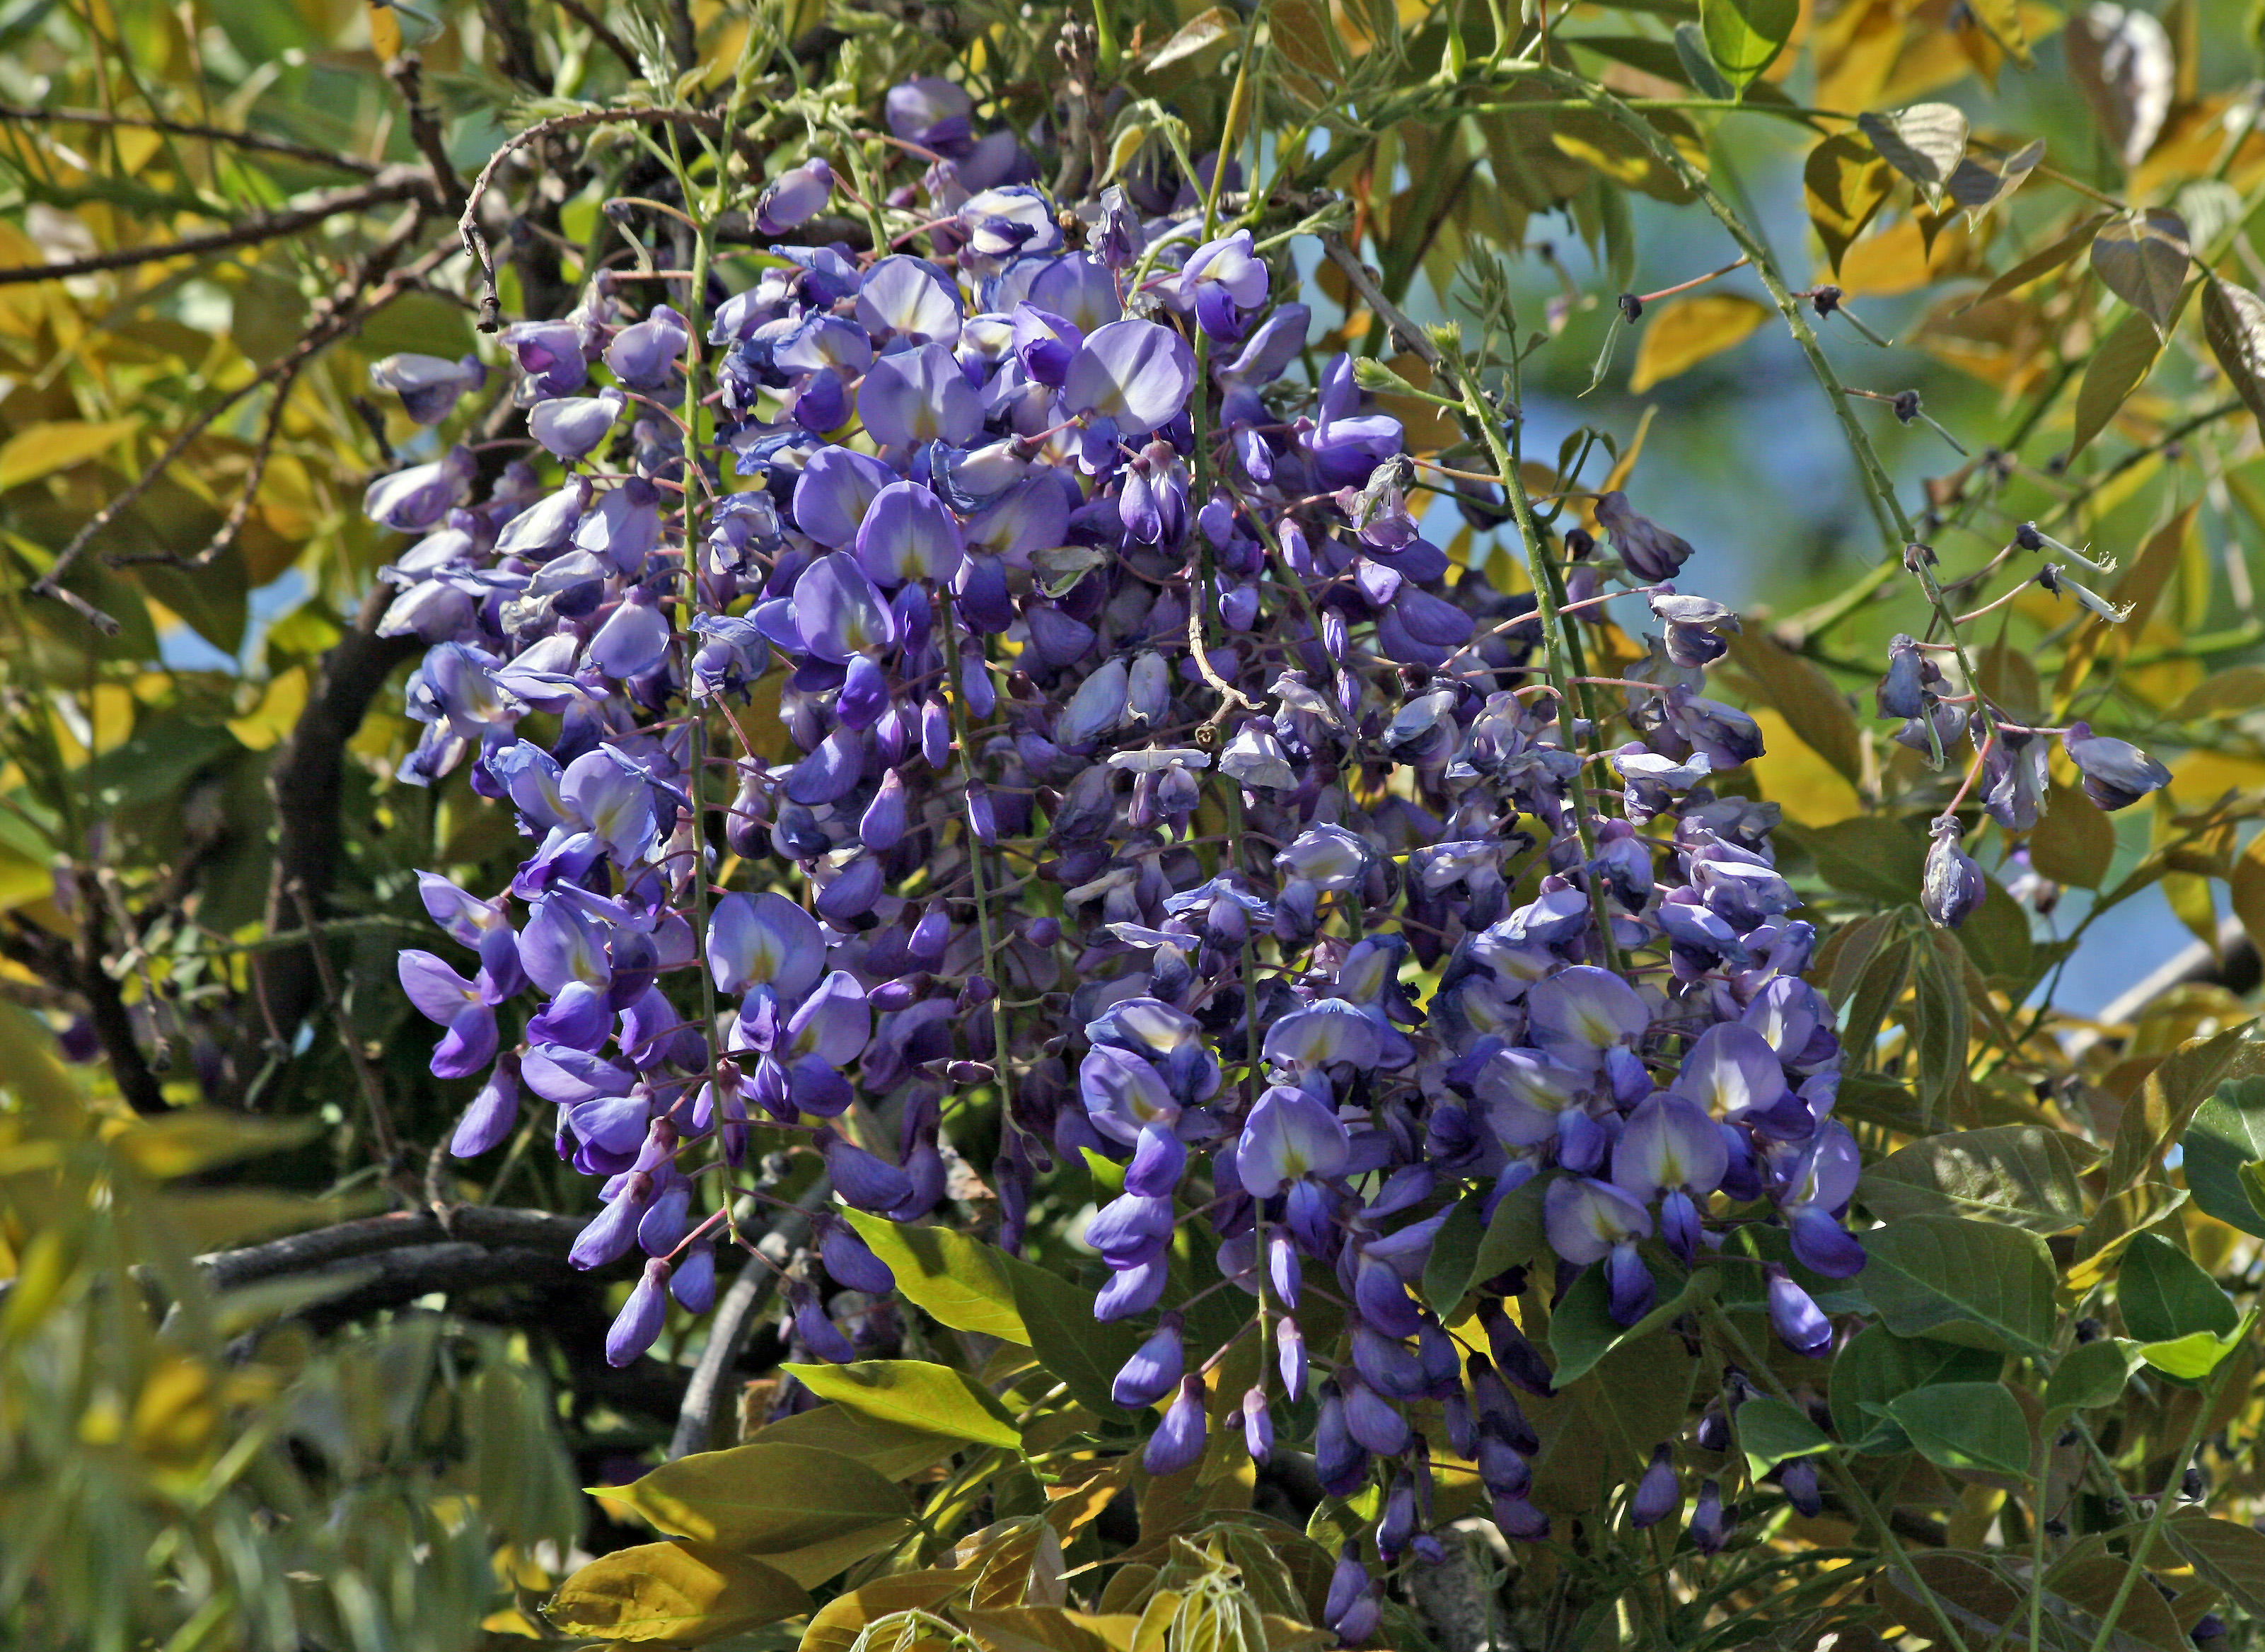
1792,776
2248,886
1677,336
1896,260
278,710
385,31
674,1591
763,1497
1428,428
39,450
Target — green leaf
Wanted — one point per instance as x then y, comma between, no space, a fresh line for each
1877,1367
1692,58
2165,1295
2022,1175
2233,323
2089,1375
1939,1024
2117,368
1770,1431
2228,1132
1924,142
891,1450
2192,1357
1967,1425
762,1498
916,1393
2225,1553
972,1286
1581,1329
1963,1282
2142,259
1870,855
686,1593
1743,37
1455,1252
1514,1235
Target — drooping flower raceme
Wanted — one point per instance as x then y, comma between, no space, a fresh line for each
1007,541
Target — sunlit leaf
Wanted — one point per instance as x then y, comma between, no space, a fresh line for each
1770,1431
2022,1175
2226,1553
1679,336
1958,1281
2074,843
39,450
1924,142
765,1496
2227,1134
2164,1295
1743,37
916,1393
2090,1375
1206,29
1844,183
1982,179
688,1593
2233,324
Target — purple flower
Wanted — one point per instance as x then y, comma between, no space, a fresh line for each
551,357
1135,373
637,1326
1154,1370
863,1180
909,302
919,396
794,197
1711,1527
1290,1137
413,500
851,1263
493,1112
908,533
1222,281
642,356
428,386
1178,1441
1952,887
1658,1492
1652,554
442,996
572,427
1796,1318
1671,1147
1591,1221
2115,773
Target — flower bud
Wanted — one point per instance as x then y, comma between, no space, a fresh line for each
1952,888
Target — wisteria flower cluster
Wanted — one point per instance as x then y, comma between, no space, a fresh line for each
1140,770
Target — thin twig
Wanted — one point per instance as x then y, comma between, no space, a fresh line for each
258,142
475,242
394,183
380,1117
347,307
603,35
407,72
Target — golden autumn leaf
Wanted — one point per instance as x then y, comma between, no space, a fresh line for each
1679,336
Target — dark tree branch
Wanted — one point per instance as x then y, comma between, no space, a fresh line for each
407,72
394,183
735,1317
258,142
79,970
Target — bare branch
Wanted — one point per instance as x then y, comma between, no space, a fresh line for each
258,142
337,316
603,35
735,1317
407,72
394,183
